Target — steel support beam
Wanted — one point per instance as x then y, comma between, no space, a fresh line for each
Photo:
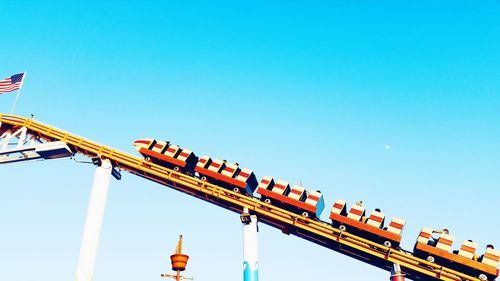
93,222
250,247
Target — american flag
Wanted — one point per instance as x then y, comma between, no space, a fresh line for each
12,83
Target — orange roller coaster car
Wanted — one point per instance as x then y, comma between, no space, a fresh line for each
295,199
464,259
166,154
372,228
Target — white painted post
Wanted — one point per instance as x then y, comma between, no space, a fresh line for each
250,249
93,222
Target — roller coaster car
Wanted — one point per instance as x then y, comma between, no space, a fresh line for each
227,175
372,229
295,199
485,268
168,155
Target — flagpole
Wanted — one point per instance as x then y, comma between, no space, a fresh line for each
18,93
15,102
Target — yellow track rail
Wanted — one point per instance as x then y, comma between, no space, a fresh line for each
316,231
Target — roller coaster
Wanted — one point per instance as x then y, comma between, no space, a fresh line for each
293,210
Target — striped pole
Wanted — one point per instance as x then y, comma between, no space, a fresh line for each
396,274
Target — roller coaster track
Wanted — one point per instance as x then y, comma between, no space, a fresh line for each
315,231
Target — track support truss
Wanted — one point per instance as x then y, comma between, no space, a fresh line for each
18,145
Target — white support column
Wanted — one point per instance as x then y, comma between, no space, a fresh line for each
93,222
250,249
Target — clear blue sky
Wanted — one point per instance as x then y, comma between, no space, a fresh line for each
309,92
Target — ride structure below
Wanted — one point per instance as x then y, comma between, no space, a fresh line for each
312,230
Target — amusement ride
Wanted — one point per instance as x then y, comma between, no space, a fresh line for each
352,230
